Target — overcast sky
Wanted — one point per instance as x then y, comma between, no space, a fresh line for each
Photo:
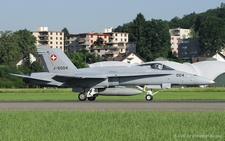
81,16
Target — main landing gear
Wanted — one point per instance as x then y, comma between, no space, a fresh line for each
91,95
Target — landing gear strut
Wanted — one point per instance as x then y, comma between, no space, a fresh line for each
149,95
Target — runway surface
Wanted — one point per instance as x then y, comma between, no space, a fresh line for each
115,105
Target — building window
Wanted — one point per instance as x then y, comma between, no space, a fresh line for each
56,33
56,42
104,36
50,42
60,43
116,39
121,35
91,36
51,38
172,38
51,33
125,35
116,34
60,33
56,38
184,47
125,40
185,41
60,47
91,41
60,38
121,40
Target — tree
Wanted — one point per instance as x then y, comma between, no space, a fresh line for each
193,34
222,5
82,58
99,42
66,32
212,34
26,41
9,48
152,37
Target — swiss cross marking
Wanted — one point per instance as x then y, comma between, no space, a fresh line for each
53,57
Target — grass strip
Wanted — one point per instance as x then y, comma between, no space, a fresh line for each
111,125
66,94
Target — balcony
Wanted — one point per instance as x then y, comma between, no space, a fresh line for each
43,34
43,43
111,37
43,39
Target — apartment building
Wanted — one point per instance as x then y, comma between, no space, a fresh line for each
113,42
45,37
76,42
177,34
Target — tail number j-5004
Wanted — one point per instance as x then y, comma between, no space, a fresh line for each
60,68
180,75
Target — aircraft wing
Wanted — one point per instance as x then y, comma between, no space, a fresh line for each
30,77
63,78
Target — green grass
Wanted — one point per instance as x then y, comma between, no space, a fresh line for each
66,94
111,125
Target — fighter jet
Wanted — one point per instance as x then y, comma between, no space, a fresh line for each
108,81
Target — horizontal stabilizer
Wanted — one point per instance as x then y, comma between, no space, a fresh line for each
29,77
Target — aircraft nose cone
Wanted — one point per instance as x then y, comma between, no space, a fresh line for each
203,81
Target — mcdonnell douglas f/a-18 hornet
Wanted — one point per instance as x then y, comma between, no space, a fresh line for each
110,81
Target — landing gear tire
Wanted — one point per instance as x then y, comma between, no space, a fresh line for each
91,98
82,97
149,97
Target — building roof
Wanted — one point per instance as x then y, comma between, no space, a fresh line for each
204,56
123,56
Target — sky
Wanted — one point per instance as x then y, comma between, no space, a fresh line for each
83,16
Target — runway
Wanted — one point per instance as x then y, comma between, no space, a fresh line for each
115,105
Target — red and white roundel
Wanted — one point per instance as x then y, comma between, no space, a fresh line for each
53,57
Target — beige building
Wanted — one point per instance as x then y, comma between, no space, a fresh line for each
113,42
76,42
177,34
45,37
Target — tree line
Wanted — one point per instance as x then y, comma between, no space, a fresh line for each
153,40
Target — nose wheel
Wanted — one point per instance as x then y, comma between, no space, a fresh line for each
149,97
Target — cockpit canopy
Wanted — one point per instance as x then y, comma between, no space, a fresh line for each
158,66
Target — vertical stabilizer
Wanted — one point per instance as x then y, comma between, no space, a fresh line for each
55,60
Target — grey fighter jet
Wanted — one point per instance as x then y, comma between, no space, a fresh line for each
110,81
